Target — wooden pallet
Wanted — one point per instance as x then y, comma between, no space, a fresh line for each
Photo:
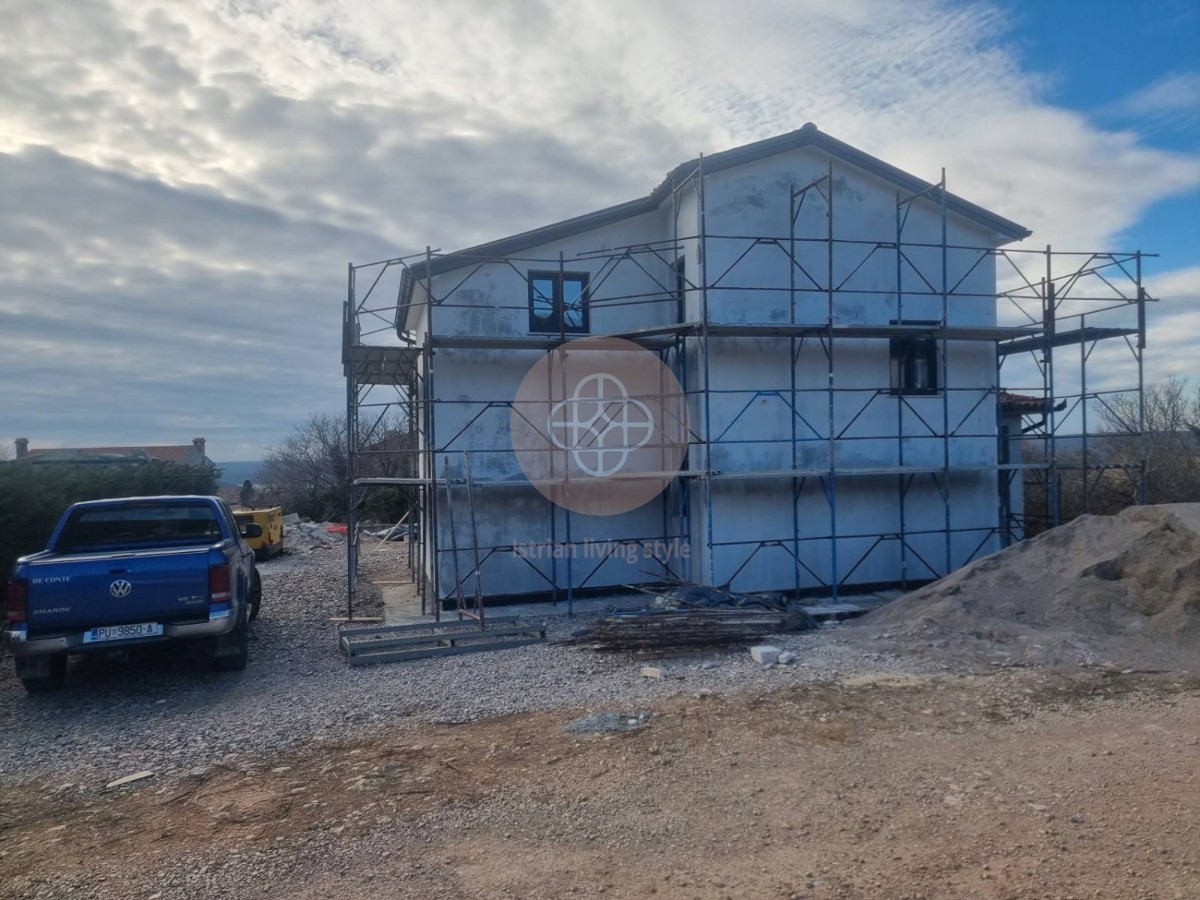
400,643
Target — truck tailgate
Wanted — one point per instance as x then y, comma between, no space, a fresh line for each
86,590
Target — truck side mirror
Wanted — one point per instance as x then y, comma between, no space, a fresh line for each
252,530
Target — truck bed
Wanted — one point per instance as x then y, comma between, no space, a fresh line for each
167,584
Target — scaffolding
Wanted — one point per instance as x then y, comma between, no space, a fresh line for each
1056,316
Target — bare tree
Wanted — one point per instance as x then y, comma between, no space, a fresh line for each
307,472
1171,415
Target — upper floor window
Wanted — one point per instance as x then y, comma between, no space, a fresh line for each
558,302
915,364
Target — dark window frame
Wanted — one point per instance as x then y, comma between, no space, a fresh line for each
679,270
908,356
555,322
1004,456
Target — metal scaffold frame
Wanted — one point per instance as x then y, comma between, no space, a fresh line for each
1057,308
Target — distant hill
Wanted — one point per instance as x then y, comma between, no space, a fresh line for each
234,473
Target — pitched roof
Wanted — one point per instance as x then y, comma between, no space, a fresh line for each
1012,404
807,136
166,453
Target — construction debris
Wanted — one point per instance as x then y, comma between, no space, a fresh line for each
607,722
765,655
303,537
1126,586
129,779
680,629
691,616
392,533
698,596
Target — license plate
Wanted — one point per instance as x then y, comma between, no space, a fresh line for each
122,632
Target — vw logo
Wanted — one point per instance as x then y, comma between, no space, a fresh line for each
120,588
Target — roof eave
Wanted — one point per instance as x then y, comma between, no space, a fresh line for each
809,135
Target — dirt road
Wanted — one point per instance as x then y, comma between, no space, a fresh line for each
1020,784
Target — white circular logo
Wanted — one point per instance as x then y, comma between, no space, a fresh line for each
120,588
600,426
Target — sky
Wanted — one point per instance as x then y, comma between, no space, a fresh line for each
182,184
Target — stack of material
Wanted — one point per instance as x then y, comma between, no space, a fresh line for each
679,629
694,616
1123,587
698,596
303,537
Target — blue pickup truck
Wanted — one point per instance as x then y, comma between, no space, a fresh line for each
122,573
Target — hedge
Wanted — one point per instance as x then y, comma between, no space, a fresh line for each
33,497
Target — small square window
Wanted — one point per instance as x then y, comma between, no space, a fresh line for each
558,302
914,365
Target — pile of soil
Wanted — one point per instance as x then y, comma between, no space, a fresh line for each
1126,587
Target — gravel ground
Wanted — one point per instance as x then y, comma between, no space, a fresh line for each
164,711
1023,785
866,762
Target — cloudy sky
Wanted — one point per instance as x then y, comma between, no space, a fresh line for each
183,183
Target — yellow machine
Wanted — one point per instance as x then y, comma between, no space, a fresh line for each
271,523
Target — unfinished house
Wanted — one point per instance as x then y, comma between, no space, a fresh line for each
876,380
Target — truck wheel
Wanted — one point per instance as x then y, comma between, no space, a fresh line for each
255,596
231,651
42,673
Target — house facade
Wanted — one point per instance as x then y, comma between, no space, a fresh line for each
832,324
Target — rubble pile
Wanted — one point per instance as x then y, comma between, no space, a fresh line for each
302,537
1123,584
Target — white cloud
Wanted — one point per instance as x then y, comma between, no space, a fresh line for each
195,171
1173,330
1172,97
